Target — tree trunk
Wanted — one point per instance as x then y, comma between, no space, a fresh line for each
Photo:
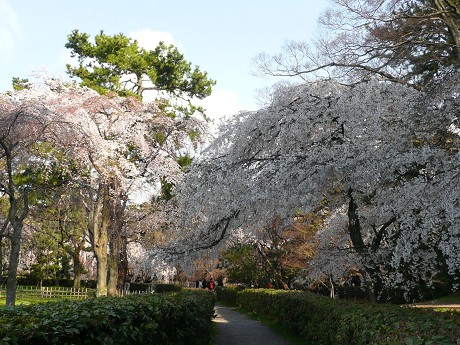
369,287
450,14
99,221
123,267
77,268
1,255
101,280
354,228
332,292
113,272
16,218
13,265
118,262
117,258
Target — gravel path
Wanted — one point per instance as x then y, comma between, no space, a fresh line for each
234,328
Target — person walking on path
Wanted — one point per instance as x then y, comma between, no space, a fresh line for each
234,328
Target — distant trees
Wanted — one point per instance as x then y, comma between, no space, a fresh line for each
377,161
275,257
59,221
409,42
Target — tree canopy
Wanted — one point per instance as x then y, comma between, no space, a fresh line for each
410,42
117,63
378,160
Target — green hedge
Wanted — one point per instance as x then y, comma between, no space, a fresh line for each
335,322
167,288
176,318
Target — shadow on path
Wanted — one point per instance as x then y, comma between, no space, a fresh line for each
234,328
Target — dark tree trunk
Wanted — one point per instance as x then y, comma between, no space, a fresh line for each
11,281
118,262
77,266
371,276
17,223
1,255
113,270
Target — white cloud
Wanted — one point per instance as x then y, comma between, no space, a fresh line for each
224,103
149,39
9,30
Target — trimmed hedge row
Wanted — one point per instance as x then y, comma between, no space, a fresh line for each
167,288
177,318
335,322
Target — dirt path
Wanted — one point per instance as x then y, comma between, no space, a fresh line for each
234,328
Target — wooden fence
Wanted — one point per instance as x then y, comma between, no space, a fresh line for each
46,292
122,293
49,292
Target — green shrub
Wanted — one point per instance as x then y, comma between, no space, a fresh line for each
175,318
139,287
334,322
228,294
34,281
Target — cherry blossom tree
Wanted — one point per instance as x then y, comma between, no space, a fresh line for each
380,159
22,125
120,144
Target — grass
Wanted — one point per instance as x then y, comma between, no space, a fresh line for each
26,295
23,298
34,300
449,299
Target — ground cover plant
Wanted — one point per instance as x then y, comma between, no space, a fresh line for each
174,318
326,321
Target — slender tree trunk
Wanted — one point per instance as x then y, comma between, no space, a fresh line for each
13,266
1,256
123,262
77,266
17,223
16,220
332,292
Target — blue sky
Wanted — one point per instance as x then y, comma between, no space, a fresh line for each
221,37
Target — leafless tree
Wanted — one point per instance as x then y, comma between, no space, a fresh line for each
410,42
